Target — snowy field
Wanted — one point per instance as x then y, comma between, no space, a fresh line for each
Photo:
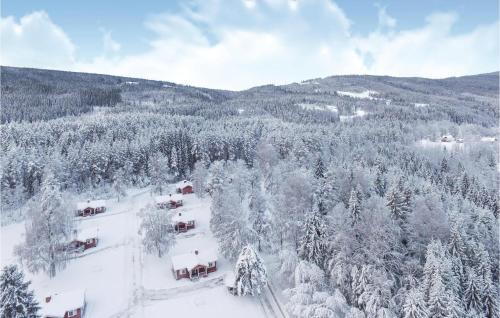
122,281
330,108
360,95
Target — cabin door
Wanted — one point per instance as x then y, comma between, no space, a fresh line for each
194,273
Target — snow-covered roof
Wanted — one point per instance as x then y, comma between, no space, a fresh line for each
60,303
90,204
86,233
167,198
183,184
191,260
182,217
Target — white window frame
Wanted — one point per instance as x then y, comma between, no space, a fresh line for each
72,313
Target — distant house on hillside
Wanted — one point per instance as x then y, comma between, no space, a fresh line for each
183,221
170,201
447,138
84,240
65,305
90,207
184,187
194,265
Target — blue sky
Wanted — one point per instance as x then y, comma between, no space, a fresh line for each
239,44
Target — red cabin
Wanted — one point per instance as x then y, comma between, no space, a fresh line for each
183,221
65,305
194,265
184,187
171,201
90,207
84,240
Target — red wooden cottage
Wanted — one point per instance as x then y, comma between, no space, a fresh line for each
170,201
183,221
65,305
194,265
90,207
84,240
184,187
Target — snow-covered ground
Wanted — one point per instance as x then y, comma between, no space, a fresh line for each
357,113
121,280
362,95
420,105
308,106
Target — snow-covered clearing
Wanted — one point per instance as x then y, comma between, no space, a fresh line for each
357,113
420,105
330,108
122,281
362,95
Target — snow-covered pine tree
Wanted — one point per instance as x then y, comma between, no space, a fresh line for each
414,305
355,205
473,292
380,183
199,177
16,300
258,218
157,230
251,276
395,204
319,168
119,184
158,172
48,228
313,245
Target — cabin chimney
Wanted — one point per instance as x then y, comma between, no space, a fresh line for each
180,213
47,299
195,252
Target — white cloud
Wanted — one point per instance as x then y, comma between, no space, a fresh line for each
433,50
109,44
35,41
384,19
233,46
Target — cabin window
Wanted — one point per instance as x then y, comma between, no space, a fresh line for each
211,264
183,271
72,313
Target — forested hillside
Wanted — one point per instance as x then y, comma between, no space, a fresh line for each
345,178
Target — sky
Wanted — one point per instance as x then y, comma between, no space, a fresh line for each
238,44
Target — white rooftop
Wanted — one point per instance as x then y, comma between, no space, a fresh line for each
183,183
191,260
167,198
90,204
183,217
62,302
86,233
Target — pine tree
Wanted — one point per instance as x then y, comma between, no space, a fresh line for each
473,293
250,273
312,246
119,184
414,305
380,184
355,205
16,300
319,169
